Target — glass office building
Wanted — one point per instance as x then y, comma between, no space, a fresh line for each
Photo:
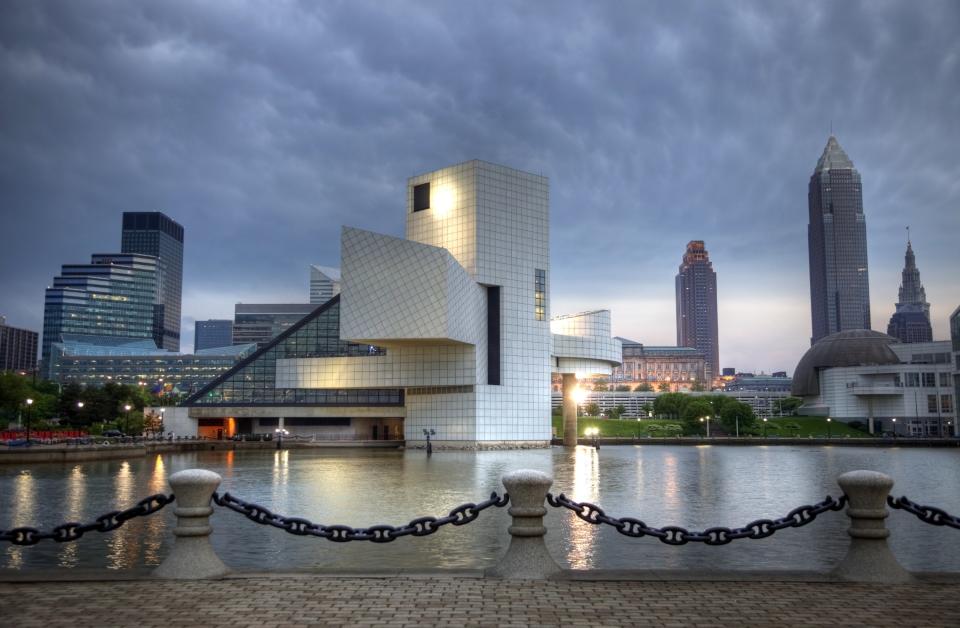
262,322
112,296
95,361
153,233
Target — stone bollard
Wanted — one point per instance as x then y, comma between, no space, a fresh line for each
869,558
527,557
192,556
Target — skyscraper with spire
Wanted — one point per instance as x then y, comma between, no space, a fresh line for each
911,320
837,244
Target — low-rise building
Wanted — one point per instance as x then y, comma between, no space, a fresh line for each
867,376
680,367
638,404
138,362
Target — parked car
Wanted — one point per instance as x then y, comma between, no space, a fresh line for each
113,434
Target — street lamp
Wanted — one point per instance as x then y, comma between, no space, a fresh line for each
829,420
764,427
280,432
428,433
162,411
707,421
29,403
894,427
126,418
593,432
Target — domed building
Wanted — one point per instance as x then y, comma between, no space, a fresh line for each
864,375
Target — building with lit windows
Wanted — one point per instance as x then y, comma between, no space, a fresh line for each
889,386
112,296
90,361
445,332
682,368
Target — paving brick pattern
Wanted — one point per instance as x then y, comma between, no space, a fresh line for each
444,601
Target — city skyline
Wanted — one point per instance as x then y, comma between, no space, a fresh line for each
637,167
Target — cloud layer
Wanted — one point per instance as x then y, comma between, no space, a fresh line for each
262,128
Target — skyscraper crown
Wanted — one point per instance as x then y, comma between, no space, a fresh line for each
834,157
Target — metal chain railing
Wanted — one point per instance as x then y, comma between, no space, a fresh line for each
675,535
73,531
927,514
421,526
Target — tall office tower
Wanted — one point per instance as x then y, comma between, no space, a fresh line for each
212,333
911,320
153,233
837,241
324,283
112,296
18,348
697,306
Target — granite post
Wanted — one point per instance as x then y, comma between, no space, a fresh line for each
192,556
527,557
869,558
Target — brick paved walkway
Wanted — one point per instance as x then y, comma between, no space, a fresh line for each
300,600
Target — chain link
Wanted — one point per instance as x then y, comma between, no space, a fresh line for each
675,535
72,531
927,514
422,526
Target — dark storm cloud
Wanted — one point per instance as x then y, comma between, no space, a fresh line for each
264,127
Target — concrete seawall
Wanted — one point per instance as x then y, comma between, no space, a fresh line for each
71,453
761,442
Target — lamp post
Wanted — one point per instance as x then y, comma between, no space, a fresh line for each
894,419
428,433
707,421
162,411
764,427
29,403
829,420
280,432
594,433
126,418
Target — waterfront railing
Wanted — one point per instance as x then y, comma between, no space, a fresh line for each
866,498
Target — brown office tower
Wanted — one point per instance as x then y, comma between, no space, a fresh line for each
697,306
837,241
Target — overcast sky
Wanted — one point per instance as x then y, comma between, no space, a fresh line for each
264,127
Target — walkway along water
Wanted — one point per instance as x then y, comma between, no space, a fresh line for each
866,495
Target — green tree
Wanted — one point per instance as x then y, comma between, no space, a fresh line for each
736,412
670,405
600,386
646,409
663,387
643,387
695,410
592,409
617,411
622,388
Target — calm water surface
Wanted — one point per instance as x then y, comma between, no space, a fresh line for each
695,487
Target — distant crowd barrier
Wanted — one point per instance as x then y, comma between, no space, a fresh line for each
866,495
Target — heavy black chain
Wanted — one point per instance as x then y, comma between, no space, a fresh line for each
675,535
73,531
927,514
421,526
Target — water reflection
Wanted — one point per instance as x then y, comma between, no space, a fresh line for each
663,485
586,488
75,499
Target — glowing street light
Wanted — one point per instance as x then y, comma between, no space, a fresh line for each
764,427
707,421
29,403
829,420
593,432
280,434
894,427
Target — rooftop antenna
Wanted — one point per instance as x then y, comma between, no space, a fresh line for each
908,234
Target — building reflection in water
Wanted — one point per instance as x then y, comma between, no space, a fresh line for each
24,509
281,477
122,543
76,497
154,527
586,488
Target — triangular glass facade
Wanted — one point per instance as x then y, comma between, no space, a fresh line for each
252,381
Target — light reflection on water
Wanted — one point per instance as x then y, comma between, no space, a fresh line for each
695,487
